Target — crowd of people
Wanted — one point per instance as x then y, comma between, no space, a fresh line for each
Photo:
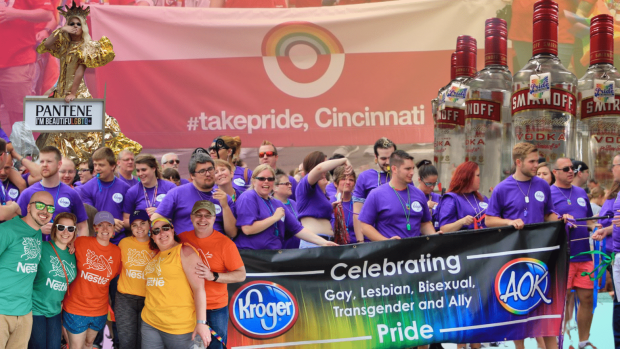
126,233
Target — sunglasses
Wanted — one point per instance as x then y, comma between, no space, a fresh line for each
70,228
565,169
268,153
172,162
73,24
262,179
288,184
166,227
430,184
41,206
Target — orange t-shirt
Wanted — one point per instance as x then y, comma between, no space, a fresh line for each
96,266
135,256
220,254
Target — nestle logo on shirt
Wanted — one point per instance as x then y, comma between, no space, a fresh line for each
134,274
56,285
27,267
94,278
159,282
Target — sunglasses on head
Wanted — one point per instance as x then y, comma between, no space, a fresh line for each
566,169
268,153
262,179
73,24
166,227
41,206
70,228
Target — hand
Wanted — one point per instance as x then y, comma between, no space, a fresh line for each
517,223
69,97
118,225
204,272
566,217
336,203
348,168
10,149
394,238
71,247
599,235
432,204
7,14
467,220
204,333
69,29
222,197
279,213
439,232
330,243
15,207
42,35
47,229
150,210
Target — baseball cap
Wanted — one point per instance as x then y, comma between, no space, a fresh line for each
139,214
204,205
103,216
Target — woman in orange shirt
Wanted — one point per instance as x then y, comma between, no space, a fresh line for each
175,303
136,253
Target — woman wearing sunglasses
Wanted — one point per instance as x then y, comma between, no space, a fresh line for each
85,308
427,181
57,269
175,307
224,178
129,301
266,223
228,149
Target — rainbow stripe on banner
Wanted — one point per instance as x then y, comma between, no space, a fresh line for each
279,40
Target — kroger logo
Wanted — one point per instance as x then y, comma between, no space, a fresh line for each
262,309
521,284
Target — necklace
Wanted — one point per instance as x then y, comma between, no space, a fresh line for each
527,196
569,194
350,210
408,205
476,211
387,178
200,197
150,203
101,186
271,211
288,203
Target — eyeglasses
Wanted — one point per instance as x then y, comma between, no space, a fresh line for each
430,184
288,184
70,228
66,171
262,179
73,24
612,165
565,169
41,206
201,216
166,227
203,172
177,161
268,153
83,171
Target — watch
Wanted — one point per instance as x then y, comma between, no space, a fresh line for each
215,276
204,322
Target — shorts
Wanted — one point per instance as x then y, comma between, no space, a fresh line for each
77,324
575,280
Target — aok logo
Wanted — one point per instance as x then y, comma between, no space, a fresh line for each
262,309
521,284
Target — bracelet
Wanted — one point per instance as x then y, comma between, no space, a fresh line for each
216,276
204,322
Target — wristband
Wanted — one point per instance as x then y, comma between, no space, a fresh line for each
216,276
204,322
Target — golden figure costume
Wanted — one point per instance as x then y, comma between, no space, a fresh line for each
78,146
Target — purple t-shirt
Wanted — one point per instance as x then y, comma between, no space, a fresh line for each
367,181
136,199
236,195
178,203
291,242
130,182
386,210
8,192
4,136
616,231
331,191
606,210
184,181
435,211
347,209
456,206
106,196
293,187
77,184
312,201
579,207
508,200
239,181
254,209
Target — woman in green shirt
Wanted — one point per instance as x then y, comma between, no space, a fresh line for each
57,269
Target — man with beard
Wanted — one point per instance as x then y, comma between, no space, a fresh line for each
65,198
268,154
20,253
178,203
171,160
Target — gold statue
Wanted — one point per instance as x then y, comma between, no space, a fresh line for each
76,50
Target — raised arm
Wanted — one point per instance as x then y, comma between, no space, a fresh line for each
317,172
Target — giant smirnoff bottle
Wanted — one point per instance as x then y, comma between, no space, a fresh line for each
450,123
543,104
599,106
487,121
439,103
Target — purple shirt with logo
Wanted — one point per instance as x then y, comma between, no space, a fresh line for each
106,196
508,200
178,203
312,201
136,197
239,180
8,192
130,182
579,207
456,206
254,209
388,214
367,181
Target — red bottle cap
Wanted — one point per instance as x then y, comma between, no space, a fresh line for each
466,50
545,38
602,39
453,66
495,42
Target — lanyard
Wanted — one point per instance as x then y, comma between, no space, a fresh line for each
288,203
387,178
55,199
271,211
101,187
3,202
350,210
150,203
407,210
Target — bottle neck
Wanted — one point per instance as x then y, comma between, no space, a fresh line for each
602,66
545,38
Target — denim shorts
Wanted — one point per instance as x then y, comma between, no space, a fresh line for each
77,324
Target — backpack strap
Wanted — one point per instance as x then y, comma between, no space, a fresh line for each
62,265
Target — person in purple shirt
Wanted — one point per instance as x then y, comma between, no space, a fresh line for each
397,209
149,192
178,203
463,207
344,188
33,174
315,210
126,166
282,190
85,172
65,198
573,200
171,160
427,181
106,192
8,208
228,149
265,223
607,210
224,178
268,154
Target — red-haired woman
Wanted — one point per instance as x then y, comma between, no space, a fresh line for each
463,207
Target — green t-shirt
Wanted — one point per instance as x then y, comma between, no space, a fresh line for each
50,285
20,253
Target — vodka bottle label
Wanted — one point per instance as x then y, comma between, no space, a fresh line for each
604,91
560,100
539,86
591,108
484,109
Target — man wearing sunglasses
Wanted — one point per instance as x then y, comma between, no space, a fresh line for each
20,253
268,154
171,160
